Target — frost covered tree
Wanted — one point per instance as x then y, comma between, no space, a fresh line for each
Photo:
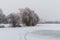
14,19
29,17
2,17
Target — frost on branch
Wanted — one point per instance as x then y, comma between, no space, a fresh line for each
29,17
14,19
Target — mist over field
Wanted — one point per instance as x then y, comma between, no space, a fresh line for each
46,9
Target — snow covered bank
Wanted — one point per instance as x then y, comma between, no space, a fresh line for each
45,32
39,32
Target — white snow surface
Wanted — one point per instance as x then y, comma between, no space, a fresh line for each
38,32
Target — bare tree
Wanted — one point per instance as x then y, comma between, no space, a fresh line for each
29,17
14,19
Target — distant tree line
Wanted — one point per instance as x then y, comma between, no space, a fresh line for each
26,17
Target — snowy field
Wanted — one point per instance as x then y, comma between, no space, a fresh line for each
39,32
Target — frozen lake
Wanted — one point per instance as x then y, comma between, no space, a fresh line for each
39,32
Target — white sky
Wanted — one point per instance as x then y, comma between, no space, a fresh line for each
46,9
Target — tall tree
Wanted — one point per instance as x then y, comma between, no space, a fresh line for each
29,17
14,19
2,17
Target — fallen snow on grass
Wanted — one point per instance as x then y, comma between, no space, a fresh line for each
38,32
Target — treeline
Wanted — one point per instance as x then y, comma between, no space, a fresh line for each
26,17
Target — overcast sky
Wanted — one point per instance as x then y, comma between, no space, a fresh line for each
46,9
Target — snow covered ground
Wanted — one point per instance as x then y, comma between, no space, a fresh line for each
39,32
